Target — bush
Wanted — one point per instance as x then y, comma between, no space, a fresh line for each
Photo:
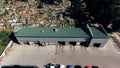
4,37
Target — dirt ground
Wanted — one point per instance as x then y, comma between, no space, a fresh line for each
106,57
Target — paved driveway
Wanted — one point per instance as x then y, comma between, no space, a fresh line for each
106,57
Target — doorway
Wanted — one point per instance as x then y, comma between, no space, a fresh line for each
61,42
72,43
96,44
84,44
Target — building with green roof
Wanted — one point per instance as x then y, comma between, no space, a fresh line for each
51,32
51,35
99,36
63,36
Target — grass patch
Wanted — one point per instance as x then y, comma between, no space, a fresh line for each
4,39
2,49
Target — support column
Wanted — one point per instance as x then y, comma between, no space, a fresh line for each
21,42
67,43
78,43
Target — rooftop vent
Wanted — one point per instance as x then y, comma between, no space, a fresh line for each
55,29
42,31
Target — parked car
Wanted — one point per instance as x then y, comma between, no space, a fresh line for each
19,66
77,66
70,66
88,66
57,66
95,67
50,65
62,66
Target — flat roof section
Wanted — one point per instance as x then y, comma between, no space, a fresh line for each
97,33
51,32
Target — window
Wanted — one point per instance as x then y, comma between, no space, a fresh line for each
26,42
72,43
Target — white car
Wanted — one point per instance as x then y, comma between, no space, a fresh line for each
62,66
52,66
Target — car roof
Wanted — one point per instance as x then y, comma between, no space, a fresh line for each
52,66
69,66
77,66
89,66
19,66
62,66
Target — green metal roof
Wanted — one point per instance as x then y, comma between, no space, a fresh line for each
97,33
51,32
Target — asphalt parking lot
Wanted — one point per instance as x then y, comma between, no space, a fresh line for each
106,57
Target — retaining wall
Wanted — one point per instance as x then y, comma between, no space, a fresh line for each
4,52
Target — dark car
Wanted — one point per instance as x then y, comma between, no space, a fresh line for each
95,67
77,66
57,66
70,66
19,66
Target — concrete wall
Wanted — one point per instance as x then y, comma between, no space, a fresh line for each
98,40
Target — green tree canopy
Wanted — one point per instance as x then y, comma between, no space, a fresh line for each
105,11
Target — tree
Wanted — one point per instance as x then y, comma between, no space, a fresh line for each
78,13
4,37
104,11
23,0
116,25
76,9
40,4
6,12
6,1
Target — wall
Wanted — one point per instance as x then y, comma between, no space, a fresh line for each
98,40
51,39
